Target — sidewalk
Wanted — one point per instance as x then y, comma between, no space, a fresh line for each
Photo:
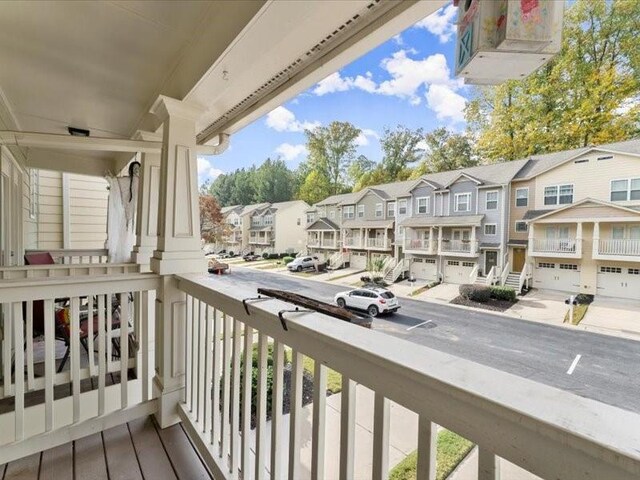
468,470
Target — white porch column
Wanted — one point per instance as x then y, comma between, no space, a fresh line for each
440,241
178,249
531,238
474,247
147,213
579,239
596,240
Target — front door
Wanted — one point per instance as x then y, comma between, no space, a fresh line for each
490,260
518,259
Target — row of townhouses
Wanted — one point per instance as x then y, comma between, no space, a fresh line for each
265,227
567,221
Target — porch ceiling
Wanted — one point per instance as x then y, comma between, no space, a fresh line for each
101,65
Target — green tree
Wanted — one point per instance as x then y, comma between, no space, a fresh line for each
332,149
274,182
315,187
588,94
401,149
446,151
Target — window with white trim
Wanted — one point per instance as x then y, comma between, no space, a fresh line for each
422,205
625,189
522,197
402,207
558,194
310,217
490,229
348,211
462,202
468,264
522,227
360,211
610,270
430,260
568,266
391,209
546,265
492,200
379,210
453,263
268,220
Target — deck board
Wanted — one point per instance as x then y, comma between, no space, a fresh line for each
137,450
121,456
57,463
24,469
183,456
89,458
152,457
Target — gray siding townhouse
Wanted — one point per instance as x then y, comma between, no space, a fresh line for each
278,227
324,222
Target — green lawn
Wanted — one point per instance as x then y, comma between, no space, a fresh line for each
451,450
334,379
579,312
270,266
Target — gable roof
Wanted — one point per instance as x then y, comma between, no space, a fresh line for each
323,224
594,201
465,175
542,163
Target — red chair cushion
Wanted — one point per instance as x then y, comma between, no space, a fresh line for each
43,258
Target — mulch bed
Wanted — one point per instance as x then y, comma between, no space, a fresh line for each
492,304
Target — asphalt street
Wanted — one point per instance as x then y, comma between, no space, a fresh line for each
607,369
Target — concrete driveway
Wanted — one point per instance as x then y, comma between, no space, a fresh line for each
546,306
613,316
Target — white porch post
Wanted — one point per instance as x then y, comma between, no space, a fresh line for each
596,240
531,238
440,241
178,249
147,214
579,239
474,247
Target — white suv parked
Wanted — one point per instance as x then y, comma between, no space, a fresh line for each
374,300
302,263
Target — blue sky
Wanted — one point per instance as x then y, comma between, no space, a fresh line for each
408,80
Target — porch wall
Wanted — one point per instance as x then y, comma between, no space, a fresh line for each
87,213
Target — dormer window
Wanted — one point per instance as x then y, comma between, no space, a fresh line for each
379,210
462,202
360,211
422,205
402,207
391,209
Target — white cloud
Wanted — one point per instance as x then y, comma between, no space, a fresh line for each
206,171
362,140
441,23
408,75
291,152
337,83
283,120
398,39
446,103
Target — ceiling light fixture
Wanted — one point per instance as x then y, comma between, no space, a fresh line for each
78,132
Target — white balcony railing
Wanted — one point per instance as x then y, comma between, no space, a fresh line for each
421,244
102,320
544,430
622,247
555,245
260,240
378,242
353,242
459,246
68,256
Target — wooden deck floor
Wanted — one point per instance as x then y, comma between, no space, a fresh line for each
137,450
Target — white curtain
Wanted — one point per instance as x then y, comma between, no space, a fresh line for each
121,228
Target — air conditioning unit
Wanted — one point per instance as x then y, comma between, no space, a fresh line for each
502,40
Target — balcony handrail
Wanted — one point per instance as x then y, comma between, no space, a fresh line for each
449,245
473,276
30,428
491,276
621,246
547,431
67,270
75,255
525,274
555,245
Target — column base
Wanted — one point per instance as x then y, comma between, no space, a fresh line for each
142,256
169,263
168,402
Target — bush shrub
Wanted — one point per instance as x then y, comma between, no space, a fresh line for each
503,293
273,256
584,299
287,260
475,293
365,279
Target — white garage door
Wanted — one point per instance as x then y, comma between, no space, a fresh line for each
557,276
424,268
619,282
457,271
358,260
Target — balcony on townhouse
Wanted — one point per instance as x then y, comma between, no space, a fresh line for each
619,242
461,248
352,242
555,240
323,240
420,243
